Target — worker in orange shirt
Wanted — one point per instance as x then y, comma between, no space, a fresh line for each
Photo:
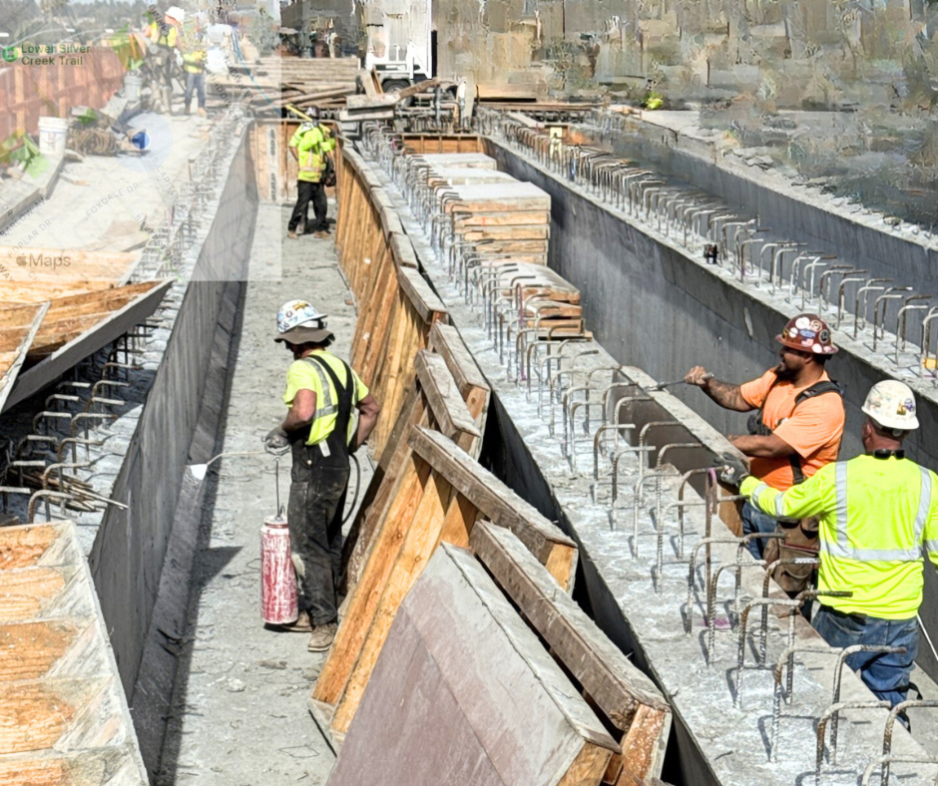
799,418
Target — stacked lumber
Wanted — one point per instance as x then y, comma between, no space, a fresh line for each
63,715
305,82
438,496
465,693
397,307
451,396
381,106
15,340
487,209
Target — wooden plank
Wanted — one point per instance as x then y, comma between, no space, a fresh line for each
364,599
446,341
445,401
499,503
421,296
381,491
465,693
627,698
419,543
89,342
10,367
475,160
403,250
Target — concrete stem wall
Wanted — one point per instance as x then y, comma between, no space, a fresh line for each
127,558
651,306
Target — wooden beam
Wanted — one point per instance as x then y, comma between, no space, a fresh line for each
421,296
9,373
628,699
499,503
445,402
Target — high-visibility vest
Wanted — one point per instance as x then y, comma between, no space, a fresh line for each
312,146
193,52
877,515
155,34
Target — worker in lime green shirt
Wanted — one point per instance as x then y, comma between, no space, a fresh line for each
878,513
310,145
322,392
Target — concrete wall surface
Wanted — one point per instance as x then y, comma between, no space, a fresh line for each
127,557
652,306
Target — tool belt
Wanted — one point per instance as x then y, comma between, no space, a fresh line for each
801,540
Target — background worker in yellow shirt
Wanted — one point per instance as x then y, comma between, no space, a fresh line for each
310,146
164,38
321,393
878,512
194,55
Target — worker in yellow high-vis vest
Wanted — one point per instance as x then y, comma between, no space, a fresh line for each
310,145
323,394
878,514
164,37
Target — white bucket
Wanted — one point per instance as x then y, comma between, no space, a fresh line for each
132,86
52,134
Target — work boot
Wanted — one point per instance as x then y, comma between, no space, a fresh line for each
202,112
292,235
302,625
322,234
322,638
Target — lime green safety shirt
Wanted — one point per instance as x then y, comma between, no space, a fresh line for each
877,515
311,147
307,375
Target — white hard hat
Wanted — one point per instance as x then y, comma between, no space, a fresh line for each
892,405
176,13
299,322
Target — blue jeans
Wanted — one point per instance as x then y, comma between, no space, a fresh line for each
886,675
754,520
195,82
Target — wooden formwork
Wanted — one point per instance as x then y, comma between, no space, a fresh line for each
275,170
442,144
63,714
464,693
451,396
622,695
396,306
437,497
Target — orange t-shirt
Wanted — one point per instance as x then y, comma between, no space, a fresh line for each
813,428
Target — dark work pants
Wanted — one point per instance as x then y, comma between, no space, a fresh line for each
307,192
314,513
195,82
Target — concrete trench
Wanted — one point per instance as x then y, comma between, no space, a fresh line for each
149,563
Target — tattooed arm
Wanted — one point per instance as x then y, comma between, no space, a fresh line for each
725,394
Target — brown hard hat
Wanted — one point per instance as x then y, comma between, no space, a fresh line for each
807,333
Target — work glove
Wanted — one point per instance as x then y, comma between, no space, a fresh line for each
731,469
277,440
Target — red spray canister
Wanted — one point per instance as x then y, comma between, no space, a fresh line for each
278,576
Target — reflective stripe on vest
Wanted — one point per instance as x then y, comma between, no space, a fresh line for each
330,407
842,548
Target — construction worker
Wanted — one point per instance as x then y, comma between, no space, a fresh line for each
194,55
321,393
877,512
164,38
799,423
310,146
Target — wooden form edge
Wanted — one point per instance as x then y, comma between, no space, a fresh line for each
445,401
108,330
9,376
614,684
446,341
495,501
420,295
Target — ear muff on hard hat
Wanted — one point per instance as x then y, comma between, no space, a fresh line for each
891,405
807,333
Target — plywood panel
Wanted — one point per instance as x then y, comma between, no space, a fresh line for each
460,660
